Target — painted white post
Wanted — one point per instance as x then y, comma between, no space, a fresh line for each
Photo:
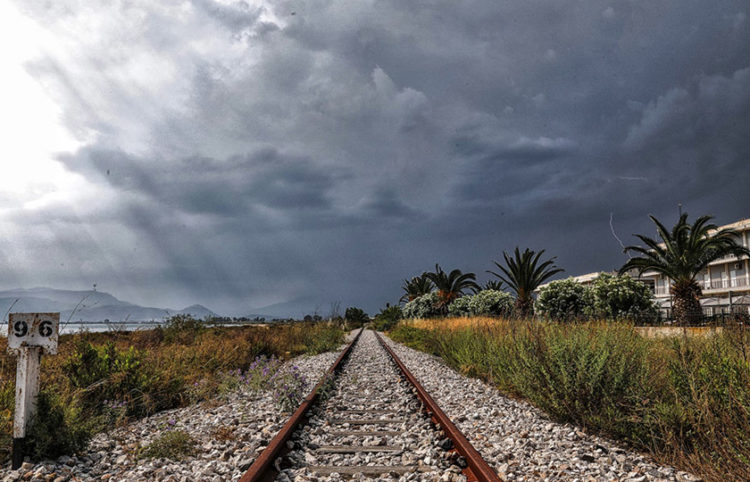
27,389
29,334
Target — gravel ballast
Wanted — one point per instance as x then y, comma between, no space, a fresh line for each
370,389
519,441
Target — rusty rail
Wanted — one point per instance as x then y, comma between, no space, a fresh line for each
477,469
261,467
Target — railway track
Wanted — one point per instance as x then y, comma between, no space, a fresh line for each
369,418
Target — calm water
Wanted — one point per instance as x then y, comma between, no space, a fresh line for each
75,327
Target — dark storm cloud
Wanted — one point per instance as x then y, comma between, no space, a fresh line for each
227,187
257,153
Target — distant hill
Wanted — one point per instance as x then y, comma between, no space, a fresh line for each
296,308
88,306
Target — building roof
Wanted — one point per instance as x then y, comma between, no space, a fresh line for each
738,226
584,278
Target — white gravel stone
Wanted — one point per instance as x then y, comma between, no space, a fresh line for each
370,381
519,441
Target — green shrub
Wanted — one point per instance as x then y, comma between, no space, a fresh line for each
594,375
708,413
173,444
355,317
182,329
58,428
460,307
424,306
563,300
327,338
387,318
412,337
621,297
491,303
106,373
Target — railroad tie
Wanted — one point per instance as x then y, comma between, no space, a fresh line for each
367,470
355,449
366,433
366,412
371,421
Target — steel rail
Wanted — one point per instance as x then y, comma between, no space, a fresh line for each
477,468
261,467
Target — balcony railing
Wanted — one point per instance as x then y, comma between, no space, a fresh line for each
716,284
724,283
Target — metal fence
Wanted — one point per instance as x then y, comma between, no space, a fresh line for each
713,314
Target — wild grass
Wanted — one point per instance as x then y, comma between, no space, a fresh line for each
686,400
172,444
101,379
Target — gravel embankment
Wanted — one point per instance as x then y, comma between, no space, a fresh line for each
230,432
518,440
370,388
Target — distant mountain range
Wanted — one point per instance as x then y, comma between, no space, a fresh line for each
296,308
88,306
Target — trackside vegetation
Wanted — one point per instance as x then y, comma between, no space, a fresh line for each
685,400
100,380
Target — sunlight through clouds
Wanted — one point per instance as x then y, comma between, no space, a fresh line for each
29,120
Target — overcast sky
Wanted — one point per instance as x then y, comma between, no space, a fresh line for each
245,154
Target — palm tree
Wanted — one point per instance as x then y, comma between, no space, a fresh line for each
523,275
683,253
416,287
451,286
492,284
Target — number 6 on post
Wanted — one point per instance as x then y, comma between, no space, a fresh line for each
33,329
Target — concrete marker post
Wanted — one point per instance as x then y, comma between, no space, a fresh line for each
29,335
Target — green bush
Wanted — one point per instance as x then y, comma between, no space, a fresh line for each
58,428
182,329
563,300
709,406
387,318
413,337
355,317
327,338
623,298
491,303
105,373
460,307
424,306
592,375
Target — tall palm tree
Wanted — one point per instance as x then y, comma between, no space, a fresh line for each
683,253
523,274
416,287
451,285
